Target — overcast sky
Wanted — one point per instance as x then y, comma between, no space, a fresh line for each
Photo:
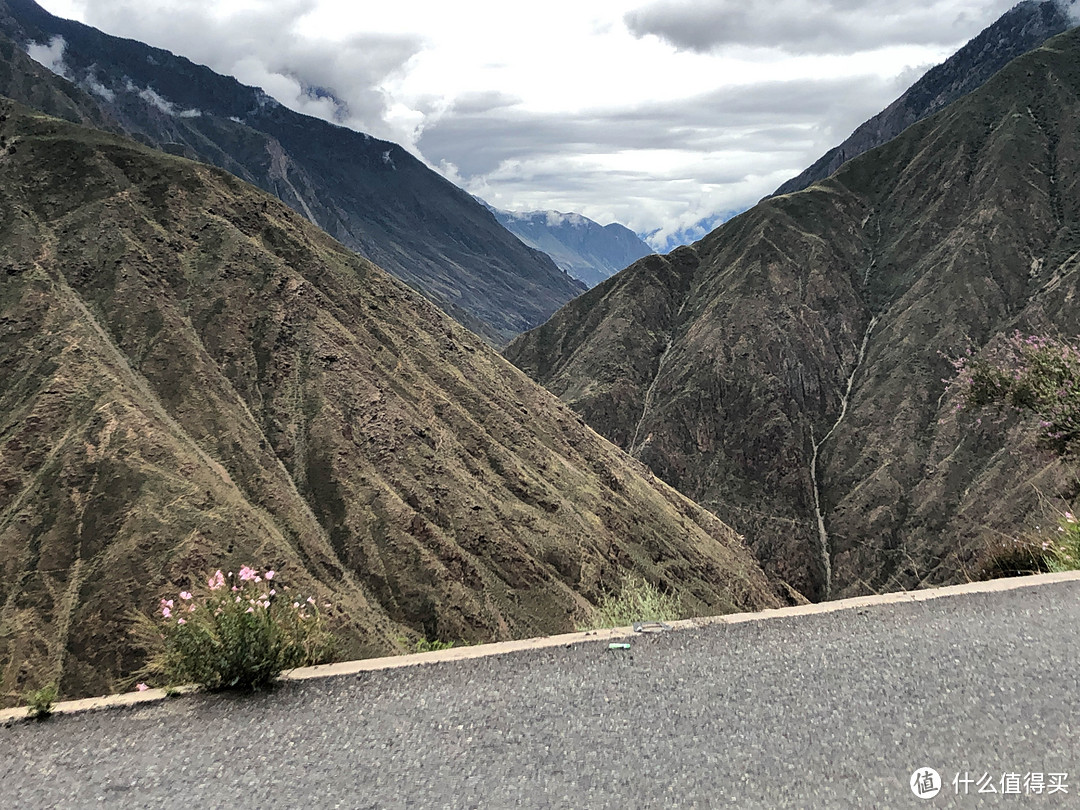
653,113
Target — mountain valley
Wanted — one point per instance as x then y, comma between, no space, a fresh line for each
231,334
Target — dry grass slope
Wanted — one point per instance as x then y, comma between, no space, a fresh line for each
193,376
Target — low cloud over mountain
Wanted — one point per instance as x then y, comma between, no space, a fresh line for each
808,26
336,80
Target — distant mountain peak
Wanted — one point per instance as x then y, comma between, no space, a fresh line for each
583,248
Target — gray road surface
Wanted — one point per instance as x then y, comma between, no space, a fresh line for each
835,710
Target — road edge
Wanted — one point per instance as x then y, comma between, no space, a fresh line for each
346,668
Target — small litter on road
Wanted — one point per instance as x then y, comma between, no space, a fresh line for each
618,646
650,627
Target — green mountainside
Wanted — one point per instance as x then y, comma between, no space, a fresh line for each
788,371
192,376
371,195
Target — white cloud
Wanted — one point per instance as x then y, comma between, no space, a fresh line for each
50,56
98,89
1071,7
151,96
334,74
659,167
658,115
810,26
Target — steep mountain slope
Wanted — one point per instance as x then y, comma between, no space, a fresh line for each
587,250
1027,25
371,195
787,370
193,376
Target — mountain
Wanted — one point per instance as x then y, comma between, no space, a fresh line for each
193,376
371,195
788,370
1024,27
587,250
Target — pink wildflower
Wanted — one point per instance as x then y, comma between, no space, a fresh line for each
166,612
185,596
181,621
216,581
296,605
250,610
141,687
311,600
247,573
270,575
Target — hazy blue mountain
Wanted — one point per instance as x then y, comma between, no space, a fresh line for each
587,250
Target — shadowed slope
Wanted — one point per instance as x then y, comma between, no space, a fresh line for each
370,194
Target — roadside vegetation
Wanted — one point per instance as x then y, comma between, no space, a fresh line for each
637,600
425,645
235,632
40,703
1038,377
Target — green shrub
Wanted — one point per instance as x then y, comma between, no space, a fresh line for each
236,632
1064,549
1025,556
1037,375
637,601
1019,557
39,704
433,645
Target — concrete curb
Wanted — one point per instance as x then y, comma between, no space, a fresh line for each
566,640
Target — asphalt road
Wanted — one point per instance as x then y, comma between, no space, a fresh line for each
834,710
